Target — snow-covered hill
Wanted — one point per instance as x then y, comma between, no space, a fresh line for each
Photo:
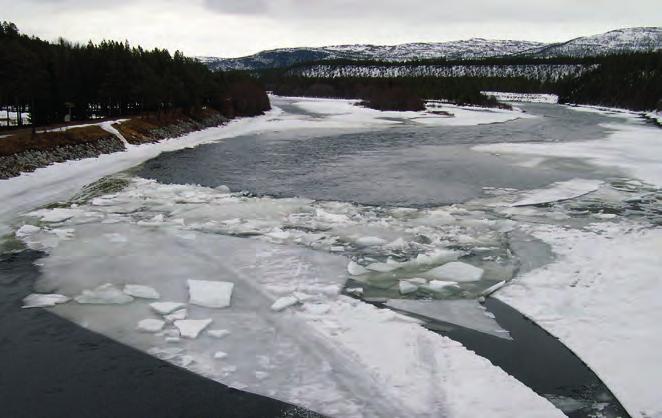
621,40
616,41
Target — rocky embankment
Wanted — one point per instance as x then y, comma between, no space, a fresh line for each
21,153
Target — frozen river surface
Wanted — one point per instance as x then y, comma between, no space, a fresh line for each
348,251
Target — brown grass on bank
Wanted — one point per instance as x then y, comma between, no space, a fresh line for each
25,141
141,129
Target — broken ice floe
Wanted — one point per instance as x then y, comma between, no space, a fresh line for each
464,313
210,294
104,294
165,308
407,287
140,291
283,303
455,271
177,315
191,328
37,300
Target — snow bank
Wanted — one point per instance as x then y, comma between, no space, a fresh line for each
523,97
601,298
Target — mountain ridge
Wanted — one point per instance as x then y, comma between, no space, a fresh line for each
638,39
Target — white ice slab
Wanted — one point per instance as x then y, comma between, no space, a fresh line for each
407,287
283,303
191,328
39,300
210,294
177,315
140,291
455,271
165,308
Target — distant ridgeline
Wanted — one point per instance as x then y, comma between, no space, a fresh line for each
51,82
630,80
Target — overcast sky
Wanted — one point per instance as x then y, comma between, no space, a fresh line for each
230,28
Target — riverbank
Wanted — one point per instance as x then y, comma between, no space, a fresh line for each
23,152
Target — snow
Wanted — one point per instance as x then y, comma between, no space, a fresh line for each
523,97
104,294
601,298
165,308
37,300
210,294
455,271
140,291
150,325
191,328
559,191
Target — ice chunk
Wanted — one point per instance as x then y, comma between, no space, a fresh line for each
439,285
317,308
259,375
177,315
493,289
150,325
370,242
455,271
220,355
223,189
37,300
140,291
210,294
464,312
27,230
383,267
218,333
559,191
438,256
418,281
407,287
165,308
284,303
104,294
56,214
355,269
191,328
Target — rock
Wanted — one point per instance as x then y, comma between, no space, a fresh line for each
140,291
210,294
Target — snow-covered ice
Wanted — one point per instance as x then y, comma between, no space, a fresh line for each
284,303
210,294
601,298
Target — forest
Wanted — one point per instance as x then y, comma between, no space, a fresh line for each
51,82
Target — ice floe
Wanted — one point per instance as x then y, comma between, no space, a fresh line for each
210,294
104,294
140,291
150,325
455,271
39,300
559,191
191,328
165,308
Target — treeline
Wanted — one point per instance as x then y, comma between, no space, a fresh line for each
632,81
53,80
400,93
